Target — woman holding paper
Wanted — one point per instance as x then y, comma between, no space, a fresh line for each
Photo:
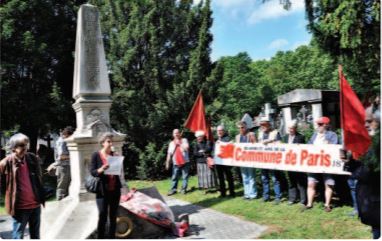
108,197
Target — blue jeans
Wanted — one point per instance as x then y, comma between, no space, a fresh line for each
249,182
376,231
176,172
276,183
20,220
352,183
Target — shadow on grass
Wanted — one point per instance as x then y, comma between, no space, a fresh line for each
212,201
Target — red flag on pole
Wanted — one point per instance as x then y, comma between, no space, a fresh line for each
197,118
356,137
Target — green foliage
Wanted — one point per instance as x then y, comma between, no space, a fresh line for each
158,60
306,131
235,85
243,86
158,55
350,32
151,164
37,62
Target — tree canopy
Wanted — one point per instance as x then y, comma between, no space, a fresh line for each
350,32
37,65
158,56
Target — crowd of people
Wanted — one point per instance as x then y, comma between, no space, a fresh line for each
302,187
24,192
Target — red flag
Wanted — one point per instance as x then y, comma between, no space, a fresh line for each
197,118
356,137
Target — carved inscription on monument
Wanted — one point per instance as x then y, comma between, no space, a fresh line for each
91,39
94,115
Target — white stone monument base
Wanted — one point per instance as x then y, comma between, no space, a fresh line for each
69,218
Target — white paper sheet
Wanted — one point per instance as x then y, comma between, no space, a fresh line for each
115,165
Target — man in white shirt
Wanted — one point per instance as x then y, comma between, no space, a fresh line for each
320,137
178,152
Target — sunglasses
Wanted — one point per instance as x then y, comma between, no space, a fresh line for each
320,124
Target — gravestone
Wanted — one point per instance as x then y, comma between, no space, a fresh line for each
299,102
75,217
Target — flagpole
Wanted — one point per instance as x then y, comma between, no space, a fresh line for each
341,106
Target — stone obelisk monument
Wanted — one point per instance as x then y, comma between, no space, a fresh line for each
91,91
76,216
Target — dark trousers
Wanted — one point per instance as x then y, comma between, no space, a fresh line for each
224,173
108,206
20,220
297,184
376,231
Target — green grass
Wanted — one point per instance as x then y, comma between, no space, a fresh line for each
2,208
284,221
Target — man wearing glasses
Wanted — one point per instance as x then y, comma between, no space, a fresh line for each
322,136
24,189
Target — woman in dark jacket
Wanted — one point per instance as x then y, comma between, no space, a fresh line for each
202,150
108,196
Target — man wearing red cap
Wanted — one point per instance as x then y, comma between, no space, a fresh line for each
320,137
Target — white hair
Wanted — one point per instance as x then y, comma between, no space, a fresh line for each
18,139
292,124
199,133
220,127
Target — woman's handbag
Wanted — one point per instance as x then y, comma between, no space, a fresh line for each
93,184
